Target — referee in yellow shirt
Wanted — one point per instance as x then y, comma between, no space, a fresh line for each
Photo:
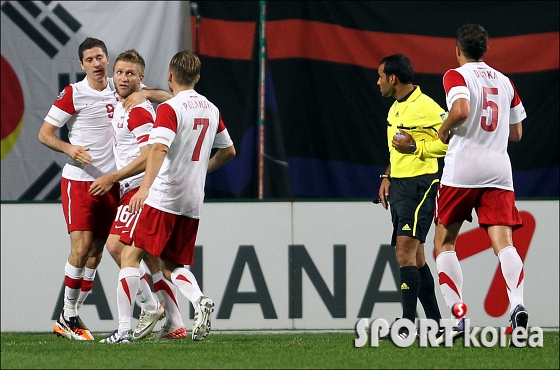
410,183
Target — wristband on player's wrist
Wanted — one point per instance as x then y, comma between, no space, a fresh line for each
385,176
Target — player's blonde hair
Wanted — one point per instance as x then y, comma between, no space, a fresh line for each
132,56
185,66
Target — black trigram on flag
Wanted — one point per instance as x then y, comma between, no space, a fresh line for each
48,23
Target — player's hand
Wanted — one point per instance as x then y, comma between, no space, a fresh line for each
101,185
402,143
384,191
80,154
137,201
444,136
134,99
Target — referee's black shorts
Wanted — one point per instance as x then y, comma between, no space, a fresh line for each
412,205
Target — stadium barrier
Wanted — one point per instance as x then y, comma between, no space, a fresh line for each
281,265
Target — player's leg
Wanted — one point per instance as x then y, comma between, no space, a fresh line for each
69,325
147,300
510,263
128,285
449,270
512,270
166,291
152,311
453,207
81,245
186,282
450,274
90,270
499,214
101,212
115,247
182,253
174,244
144,298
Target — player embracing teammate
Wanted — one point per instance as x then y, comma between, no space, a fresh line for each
166,207
86,108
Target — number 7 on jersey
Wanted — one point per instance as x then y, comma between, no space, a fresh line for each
204,122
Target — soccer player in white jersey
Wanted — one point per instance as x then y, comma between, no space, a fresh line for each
187,127
485,112
86,108
131,131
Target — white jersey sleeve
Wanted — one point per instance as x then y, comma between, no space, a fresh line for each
190,125
477,155
132,130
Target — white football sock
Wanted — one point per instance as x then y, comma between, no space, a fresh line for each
512,269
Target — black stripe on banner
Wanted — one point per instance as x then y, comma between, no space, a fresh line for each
46,2
67,18
30,7
55,193
63,81
38,185
54,30
29,30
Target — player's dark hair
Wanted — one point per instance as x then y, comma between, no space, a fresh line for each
185,66
398,65
91,42
133,57
472,39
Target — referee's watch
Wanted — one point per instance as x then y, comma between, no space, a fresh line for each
412,147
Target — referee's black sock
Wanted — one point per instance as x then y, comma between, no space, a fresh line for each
410,285
427,294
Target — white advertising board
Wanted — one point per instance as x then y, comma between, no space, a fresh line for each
277,265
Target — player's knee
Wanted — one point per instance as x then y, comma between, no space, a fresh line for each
153,263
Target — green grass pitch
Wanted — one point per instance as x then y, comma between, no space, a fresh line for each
286,349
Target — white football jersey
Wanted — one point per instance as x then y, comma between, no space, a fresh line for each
132,131
87,113
190,125
477,155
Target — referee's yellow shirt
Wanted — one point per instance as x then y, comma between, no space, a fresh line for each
421,117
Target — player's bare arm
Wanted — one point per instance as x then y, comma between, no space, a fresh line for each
155,160
221,157
147,93
457,115
103,184
515,132
48,138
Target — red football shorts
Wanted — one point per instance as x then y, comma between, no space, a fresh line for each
164,235
123,217
493,206
85,212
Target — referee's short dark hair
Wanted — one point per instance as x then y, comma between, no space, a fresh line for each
398,65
